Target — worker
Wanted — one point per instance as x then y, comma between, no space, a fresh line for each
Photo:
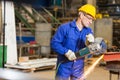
69,38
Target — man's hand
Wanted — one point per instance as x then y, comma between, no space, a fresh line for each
90,38
70,55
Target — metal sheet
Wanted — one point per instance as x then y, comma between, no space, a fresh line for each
112,56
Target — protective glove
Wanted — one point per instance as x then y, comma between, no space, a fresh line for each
89,39
70,55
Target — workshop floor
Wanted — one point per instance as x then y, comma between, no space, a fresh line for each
99,73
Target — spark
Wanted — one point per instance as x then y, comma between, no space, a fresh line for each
91,68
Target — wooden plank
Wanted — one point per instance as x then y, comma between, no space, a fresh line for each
32,69
33,65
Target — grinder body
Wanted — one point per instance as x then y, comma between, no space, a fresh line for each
96,48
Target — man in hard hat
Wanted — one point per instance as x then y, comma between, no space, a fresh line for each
70,38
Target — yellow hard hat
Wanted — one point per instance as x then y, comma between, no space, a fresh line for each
89,9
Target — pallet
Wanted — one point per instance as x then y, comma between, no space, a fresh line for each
34,65
32,69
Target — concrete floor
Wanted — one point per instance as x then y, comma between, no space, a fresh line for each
99,73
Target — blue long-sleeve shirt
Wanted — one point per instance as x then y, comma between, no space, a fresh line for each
69,37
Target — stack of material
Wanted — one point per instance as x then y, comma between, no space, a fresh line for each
44,63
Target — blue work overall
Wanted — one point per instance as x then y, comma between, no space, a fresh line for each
69,37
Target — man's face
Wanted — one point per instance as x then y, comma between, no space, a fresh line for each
87,20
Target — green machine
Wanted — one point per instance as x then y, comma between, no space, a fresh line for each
1,55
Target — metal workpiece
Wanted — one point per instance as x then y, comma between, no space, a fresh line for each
112,60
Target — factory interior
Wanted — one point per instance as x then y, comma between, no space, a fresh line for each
28,26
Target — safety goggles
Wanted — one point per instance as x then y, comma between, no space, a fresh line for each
89,17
